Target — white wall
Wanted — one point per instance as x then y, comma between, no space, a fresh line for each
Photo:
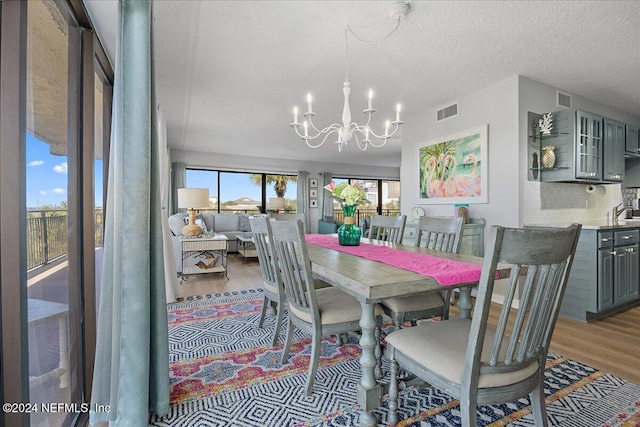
497,106
559,203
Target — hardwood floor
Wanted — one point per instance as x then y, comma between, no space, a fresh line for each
611,345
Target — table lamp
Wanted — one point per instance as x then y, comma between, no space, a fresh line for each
192,199
277,203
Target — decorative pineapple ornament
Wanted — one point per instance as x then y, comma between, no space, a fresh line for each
548,156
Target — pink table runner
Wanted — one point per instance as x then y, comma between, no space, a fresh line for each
445,271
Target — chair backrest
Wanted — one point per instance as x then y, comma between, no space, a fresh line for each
263,239
543,257
293,259
387,228
441,234
291,217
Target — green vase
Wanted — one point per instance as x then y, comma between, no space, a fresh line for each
349,233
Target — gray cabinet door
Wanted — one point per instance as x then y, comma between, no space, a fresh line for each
625,274
633,270
613,151
605,278
589,135
632,143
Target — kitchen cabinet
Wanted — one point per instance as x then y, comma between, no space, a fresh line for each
632,143
578,141
614,149
605,275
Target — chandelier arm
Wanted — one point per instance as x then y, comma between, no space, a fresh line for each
320,143
378,145
360,144
326,131
385,136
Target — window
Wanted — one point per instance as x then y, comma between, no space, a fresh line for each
242,192
384,196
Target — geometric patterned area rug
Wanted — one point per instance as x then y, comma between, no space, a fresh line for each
224,372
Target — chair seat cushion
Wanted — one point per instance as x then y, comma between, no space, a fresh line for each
441,347
418,302
336,306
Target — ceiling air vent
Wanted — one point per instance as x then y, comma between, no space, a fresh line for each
446,112
563,99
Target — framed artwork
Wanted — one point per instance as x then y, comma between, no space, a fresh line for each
453,169
313,182
313,203
313,192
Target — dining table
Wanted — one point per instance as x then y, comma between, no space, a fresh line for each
370,281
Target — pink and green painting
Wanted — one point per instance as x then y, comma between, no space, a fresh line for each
454,169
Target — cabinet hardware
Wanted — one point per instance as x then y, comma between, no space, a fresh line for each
612,252
604,240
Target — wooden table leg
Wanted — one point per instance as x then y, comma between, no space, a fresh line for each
464,303
369,391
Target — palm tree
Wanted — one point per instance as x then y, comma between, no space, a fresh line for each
279,182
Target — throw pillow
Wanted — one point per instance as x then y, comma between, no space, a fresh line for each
200,223
244,225
327,218
175,224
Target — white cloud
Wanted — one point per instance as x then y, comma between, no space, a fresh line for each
35,163
58,191
61,168
42,193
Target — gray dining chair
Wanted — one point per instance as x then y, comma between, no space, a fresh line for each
319,312
479,365
272,286
387,228
291,217
441,234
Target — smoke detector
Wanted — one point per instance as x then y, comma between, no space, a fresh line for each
399,10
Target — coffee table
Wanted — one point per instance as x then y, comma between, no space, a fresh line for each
246,247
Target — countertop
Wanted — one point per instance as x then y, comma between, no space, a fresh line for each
602,225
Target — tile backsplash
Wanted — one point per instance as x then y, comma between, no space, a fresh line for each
560,203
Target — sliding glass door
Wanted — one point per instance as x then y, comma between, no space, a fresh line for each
55,113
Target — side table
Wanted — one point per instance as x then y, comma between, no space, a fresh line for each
246,247
201,255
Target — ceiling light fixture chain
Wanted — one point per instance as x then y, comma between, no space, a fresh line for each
348,130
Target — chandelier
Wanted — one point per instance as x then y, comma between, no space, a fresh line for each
348,130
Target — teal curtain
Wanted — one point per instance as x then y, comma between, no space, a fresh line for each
178,180
302,199
132,356
325,202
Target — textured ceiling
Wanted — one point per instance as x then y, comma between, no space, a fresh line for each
229,72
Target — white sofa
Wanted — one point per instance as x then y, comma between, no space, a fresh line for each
228,224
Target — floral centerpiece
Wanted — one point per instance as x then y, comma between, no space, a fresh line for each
349,196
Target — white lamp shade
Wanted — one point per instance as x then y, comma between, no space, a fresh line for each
277,203
189,198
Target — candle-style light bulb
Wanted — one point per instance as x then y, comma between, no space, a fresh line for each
398,108
386,128
295,114
370,98
306,128
309,103
366,133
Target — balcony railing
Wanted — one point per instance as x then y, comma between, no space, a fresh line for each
363,213
47,235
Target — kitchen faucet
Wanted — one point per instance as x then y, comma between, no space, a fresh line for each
617,211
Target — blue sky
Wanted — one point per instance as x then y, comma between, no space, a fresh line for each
47,176
233,185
